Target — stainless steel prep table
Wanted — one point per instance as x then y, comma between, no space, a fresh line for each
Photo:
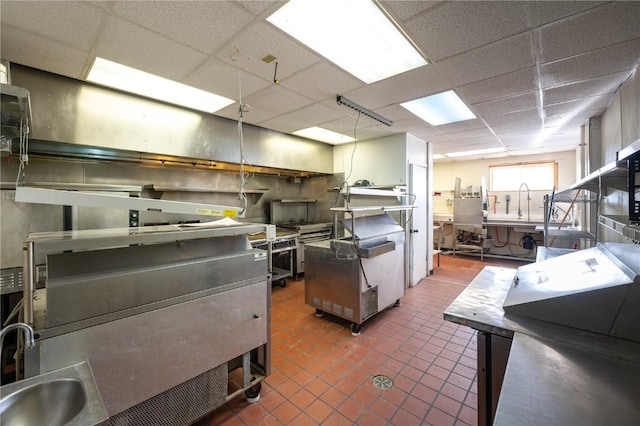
479,306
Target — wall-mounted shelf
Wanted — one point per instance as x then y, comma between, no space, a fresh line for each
112,201
621,225
621,174
160,189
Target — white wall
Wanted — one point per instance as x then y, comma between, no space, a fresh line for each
471,172
382,161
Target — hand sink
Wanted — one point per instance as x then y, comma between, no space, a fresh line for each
68,396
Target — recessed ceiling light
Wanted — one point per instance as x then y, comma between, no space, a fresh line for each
355,35
438,156
474,152
442,108
323,135
127,79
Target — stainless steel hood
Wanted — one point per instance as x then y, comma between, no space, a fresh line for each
596,289
80,114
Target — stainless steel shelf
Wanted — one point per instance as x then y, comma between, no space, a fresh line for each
566,233
621,225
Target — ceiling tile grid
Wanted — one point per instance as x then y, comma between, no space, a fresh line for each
32,50
139,48
74,24
216,21
502,58
458,27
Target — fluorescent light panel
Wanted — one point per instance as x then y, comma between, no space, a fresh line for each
438,156
324,135
131,80
474,152
353,34
443,108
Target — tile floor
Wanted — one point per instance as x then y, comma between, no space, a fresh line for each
322,375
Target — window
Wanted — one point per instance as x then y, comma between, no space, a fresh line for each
537,176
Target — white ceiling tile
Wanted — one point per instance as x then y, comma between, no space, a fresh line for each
502,57
590,30
262,39
321,81
73,23
426,133
457,27
417,83
216,21
549,11
505,105
258,6
511,84
309,116
139,48
585,89
611,60
462,126
472,134
277,100
403,10
573,108
226,80
38,52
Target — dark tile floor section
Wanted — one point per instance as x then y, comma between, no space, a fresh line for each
322,375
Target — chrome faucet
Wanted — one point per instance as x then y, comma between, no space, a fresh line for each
28,334
528,199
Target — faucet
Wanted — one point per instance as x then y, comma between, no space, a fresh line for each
528,199
28,334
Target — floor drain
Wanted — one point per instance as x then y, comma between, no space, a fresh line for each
382,382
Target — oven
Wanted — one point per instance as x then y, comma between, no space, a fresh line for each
299,216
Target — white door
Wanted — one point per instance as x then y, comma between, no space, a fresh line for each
418,224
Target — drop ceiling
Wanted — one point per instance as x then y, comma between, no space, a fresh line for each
532,71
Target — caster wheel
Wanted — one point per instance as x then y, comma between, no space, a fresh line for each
319,313
253,394
398,303
282,283
355,329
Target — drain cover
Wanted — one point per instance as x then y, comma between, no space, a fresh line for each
382,382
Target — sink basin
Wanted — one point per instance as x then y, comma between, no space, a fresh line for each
68,396
54,402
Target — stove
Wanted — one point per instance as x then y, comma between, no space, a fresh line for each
307,233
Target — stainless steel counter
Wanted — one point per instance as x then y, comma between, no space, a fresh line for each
479,306
553,383
555,374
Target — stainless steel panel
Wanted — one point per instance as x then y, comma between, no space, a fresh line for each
138,357
366,227
71,111
480,306
554,383
85,296
69,264
17,220
468,211
332,284
584,289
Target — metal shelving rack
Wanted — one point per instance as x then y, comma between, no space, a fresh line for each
622,174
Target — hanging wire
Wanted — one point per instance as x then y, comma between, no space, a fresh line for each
245,177
23,151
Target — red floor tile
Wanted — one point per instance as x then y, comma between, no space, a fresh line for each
321,375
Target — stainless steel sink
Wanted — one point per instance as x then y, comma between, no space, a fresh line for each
68,396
